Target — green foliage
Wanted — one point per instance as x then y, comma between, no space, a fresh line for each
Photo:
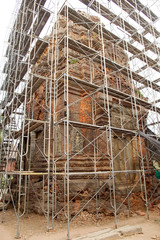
157,168
73,61
94,35
5,181
139,94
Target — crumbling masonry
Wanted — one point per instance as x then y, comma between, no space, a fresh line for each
76,123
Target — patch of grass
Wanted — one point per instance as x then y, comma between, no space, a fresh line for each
73,61
139,94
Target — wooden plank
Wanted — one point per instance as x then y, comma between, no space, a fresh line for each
130,9
19,99
20,43
132,31
144,9
90,52
154,123
31,126
40,22
27,6
112,92
37,50
76,17
14,76
23,66
103,128
23,40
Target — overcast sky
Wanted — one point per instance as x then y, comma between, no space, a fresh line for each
7,7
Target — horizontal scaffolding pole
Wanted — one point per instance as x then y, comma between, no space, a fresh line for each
91,53
26,39
112,92
29,127
24,173
144,9
26,7
32,86
132,31
93,126
137,17
80,19
15,76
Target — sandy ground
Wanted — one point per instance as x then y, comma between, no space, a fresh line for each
34,227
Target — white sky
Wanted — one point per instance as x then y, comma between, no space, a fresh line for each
7,7
6,13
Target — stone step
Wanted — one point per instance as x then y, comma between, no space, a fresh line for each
108,234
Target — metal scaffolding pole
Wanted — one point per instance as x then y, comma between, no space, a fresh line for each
79,85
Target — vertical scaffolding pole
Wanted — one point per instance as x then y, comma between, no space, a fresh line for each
109,124
67,87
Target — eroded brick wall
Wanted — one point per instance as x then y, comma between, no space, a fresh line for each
90,110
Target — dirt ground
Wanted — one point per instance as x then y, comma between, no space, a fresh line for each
34,227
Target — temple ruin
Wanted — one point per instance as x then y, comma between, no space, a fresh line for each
74,110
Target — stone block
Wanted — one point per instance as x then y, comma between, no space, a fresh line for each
101,235
108,236
129,230
94,234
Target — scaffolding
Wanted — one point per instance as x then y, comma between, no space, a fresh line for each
80,83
